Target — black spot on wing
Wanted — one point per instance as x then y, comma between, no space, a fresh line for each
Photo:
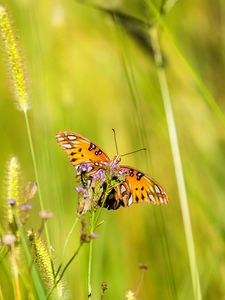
131,172
139,175
98,152
91,147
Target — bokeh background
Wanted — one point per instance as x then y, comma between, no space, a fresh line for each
89,72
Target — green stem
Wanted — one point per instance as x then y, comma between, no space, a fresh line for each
98,214
64,270
39,288
199,82
36,172
177,164
90,255
69,236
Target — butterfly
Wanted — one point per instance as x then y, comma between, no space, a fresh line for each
136,187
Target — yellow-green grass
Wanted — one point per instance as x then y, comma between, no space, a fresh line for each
87,75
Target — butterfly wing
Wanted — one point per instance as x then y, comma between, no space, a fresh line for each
80,150
85,156
144,188
137,188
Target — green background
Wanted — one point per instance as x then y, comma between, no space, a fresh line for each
78,60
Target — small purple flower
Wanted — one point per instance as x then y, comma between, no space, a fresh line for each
83,167
99,175
9,239
25,207
45,214
93,236
12,202
81,189
114,170
122,173
82,192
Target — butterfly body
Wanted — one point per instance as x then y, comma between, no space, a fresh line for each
87,157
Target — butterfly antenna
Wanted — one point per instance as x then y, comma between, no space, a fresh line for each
133,152
114,135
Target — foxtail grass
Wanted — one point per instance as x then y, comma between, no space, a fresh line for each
13,189
15,238
14,61
45,264
12,183
16,70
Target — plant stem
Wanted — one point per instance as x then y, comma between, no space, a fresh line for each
69,236
90,255
34,272
36,172
64,270
16,285
177,164
98,214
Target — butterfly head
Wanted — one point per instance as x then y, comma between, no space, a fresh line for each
115,161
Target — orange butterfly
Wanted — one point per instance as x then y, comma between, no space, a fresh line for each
136,188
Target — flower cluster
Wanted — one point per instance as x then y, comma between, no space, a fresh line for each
96,185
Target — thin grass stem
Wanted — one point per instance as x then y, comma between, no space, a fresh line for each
64,270
36,173
199,82
34,273
69,236
15,280
177,164
90,256
135,97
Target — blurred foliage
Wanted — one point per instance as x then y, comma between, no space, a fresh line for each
76,55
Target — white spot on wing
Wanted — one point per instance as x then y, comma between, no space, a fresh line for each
123,189
67,146
161,200
89,169
60,138
130,201
152,198
157,189
71,137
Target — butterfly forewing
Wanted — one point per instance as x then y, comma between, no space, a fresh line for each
80,149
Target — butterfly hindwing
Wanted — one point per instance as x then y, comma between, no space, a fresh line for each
80,149
143,188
